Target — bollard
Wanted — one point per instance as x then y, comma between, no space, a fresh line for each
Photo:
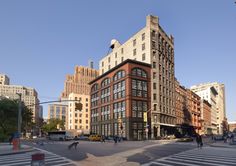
38,159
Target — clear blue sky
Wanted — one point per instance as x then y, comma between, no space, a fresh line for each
42,41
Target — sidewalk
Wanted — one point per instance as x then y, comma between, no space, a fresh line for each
6,149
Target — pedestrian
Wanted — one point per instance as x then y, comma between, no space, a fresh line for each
200,141
197,140
10,139
103,138
115,139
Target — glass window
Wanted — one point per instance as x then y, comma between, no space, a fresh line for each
134,42
143,57
120,74
139,72
143,36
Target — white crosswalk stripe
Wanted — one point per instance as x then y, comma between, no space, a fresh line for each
207,156
24,159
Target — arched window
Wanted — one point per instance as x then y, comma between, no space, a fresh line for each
105,82
139,72
94,87
120,74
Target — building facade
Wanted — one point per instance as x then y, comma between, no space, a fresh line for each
153,46
209,93
78,83
206,117
57,111
232,126
79,120
188,110
120,101
28,95
4,79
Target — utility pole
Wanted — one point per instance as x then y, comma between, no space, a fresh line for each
19,115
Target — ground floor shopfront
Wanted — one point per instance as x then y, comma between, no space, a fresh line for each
128,128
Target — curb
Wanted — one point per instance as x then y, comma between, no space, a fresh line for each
18,152
219,146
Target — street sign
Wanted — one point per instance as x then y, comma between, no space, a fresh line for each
145,116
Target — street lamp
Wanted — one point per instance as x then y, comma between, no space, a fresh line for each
19,115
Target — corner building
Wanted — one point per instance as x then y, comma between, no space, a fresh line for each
153,46
120,101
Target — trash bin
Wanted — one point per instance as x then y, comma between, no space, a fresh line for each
37,159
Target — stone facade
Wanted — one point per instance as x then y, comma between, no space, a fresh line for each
4,79
58,111
78,83
153,46
214,93
188,108
29,97
120,101
206,117
79,120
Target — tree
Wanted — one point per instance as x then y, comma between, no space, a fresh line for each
54,125
9,117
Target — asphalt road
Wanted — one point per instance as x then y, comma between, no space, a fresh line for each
146,150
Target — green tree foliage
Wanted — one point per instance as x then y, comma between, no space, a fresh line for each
9,116
54,125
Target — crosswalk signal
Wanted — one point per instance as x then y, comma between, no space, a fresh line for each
78,106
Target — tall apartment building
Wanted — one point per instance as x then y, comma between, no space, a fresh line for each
79,120
4,79
209,93
153,46
78,83
120,101
28,95
58,111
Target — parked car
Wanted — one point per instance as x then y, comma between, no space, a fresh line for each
83,137
218,137
94,138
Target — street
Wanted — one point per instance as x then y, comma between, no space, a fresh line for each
125,153
132,151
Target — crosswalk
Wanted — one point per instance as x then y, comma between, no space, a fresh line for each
24,159
207,156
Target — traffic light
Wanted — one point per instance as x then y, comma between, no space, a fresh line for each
78,106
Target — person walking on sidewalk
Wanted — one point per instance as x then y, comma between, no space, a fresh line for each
199,141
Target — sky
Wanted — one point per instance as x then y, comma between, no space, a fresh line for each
42,41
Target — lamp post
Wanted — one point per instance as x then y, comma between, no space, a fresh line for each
19,115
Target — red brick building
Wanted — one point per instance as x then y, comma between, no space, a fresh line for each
120,101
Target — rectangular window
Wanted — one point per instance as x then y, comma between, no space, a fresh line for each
143,36
134,42
122,50
134,52
109,59
154,96
122,59
143,46
143,57
154,75
154,65
154,85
